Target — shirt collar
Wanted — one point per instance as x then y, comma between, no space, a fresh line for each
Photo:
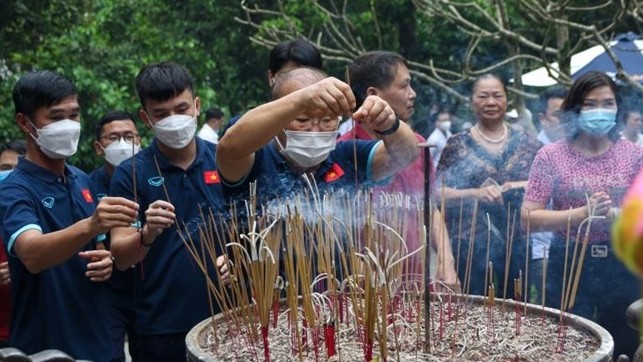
542,137
163,162
42,173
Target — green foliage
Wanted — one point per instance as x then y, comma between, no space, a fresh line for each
102,44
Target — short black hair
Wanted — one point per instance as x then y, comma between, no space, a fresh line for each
18,146
111,117
573,102
373,69
38,89
299,51
162,81
550,93
442,109
213,113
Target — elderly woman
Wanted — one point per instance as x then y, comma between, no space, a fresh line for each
587,174
486,166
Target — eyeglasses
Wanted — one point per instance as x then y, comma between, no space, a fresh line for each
307,124
128,137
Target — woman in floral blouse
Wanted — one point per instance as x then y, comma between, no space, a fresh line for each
587,173
487,166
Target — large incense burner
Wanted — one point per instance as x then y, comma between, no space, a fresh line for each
463,328
330,278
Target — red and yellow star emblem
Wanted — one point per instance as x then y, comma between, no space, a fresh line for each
211,177
334,173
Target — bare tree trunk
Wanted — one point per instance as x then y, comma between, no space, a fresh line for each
562,43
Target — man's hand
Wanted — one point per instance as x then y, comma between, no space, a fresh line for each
223,264
375,114
159,216
99,266
330,95
5,278
449,280
113,212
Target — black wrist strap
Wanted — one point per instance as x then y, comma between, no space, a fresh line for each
391,130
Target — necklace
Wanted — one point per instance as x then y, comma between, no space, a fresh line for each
501,139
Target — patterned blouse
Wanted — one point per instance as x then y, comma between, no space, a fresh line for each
566,176
465,164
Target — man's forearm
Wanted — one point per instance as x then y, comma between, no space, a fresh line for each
129,246
401,148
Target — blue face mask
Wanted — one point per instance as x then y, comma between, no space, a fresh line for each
597,122
4,174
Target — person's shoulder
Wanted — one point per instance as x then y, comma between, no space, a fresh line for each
205,145
143,157
557,146
626,147
141,161
97,174
460,137
558,149
434,135
78,173
419,137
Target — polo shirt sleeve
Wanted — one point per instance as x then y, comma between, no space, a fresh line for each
19,214
121,184
233,190
362,152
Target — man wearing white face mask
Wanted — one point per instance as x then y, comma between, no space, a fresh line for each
174,180
53,229
296,133
440,134
117,139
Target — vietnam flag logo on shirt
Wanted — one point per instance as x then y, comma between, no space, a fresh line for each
211,177
334,173
87,195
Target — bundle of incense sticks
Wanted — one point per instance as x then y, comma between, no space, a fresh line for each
326,249
342,261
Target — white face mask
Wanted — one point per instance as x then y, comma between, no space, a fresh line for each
59,139
175,131
308,149
445,126
120,151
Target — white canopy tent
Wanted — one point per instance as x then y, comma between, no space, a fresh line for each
540,78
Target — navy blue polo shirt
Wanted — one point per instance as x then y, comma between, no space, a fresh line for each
171,295
59,307
100,179
121,283
275,179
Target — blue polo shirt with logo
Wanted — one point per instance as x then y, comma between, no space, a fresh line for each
121,283
275,179
100,179
58,308
171,295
